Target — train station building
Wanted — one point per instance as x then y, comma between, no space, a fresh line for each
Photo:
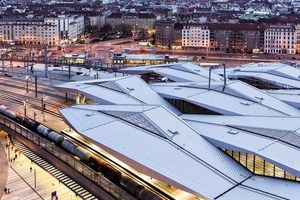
194,131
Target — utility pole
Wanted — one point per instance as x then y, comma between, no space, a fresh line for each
35,84
69,71
12,68
27,79
2,66
34,177
43,107
46,61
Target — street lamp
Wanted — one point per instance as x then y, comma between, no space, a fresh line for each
34,174
8,151
46,60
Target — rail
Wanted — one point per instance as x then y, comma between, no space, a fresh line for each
86,171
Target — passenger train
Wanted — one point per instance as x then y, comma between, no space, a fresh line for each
85,156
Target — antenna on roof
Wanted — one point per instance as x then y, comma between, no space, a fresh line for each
209,76
224,76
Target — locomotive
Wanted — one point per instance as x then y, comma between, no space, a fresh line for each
85,156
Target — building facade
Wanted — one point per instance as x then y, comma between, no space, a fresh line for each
297,39
165,34
135,20
49,30
280,39
28,31
236,37
195,36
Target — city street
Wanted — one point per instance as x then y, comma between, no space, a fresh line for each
103,51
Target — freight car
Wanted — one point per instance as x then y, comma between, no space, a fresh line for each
137,190
108,171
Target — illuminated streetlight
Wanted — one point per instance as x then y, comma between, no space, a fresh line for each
34,174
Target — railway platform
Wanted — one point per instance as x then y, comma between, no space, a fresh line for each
25,180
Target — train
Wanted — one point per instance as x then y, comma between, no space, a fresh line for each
96,163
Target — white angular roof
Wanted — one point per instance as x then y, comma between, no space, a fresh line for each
158,143
143,130
279,74
240,98
275,139
263,188
178,72
290,96
129,90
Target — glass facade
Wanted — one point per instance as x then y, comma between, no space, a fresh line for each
189,108
259,166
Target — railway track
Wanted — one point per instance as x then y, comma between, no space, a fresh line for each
19,99
41,89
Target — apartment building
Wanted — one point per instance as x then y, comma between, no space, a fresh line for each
168,34
91,18
50,30
280,39
69,26
135,20
28,31
195,36
235,38
297,39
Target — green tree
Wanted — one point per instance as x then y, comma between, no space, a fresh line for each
124,29
106,28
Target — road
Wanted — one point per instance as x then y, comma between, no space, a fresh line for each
103,51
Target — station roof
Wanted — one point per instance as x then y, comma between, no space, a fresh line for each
136,125
275,139
178,72
236,98
127,90
74,56
290,96
174,152
144,57
279,74
259,187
